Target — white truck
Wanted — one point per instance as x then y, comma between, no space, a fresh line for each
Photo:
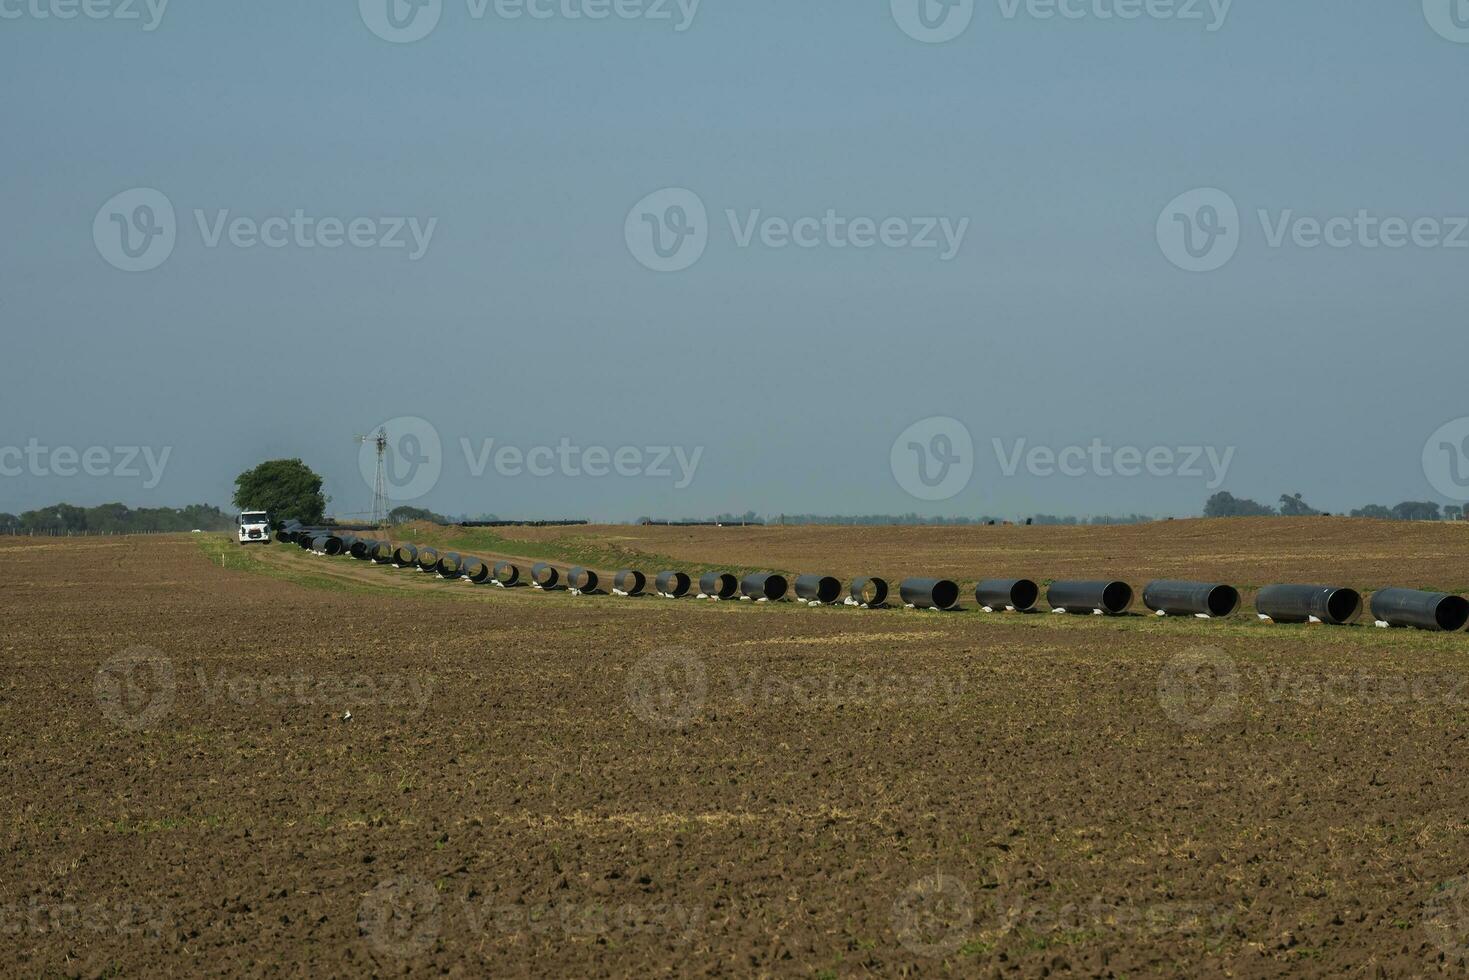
254,527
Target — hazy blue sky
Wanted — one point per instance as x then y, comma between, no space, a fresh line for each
1060,318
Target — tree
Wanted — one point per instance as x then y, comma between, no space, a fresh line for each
1294,506
285,487
405,515
9,523
1227,505
1376,511
1415,510
1450,513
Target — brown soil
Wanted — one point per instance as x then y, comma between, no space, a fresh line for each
549,785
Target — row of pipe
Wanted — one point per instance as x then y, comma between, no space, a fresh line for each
1330,605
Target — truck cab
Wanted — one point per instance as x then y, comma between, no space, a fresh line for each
254,526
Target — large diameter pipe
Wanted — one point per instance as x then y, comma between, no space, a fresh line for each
477,570
428,560
1112,598
406,554
1303,603
383,553
545,575
450,565
676,584
327,544
720,585
1421,610
821,589
361,548
929,593
582,579
1191,598
764,585
1019,594
507,573
869,591
630,581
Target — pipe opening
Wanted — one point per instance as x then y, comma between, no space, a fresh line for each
945,594
1452,613
1116,597
506,573
1024,594
676,584
545,576
1343,605
1223,601
582,579
721,585
630,581
870,591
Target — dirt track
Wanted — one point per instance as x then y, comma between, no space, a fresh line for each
544,785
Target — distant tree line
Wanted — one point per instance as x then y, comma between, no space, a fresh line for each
1293,505
115,519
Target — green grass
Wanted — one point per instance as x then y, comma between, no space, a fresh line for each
591,552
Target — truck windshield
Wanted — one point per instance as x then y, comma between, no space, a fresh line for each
254,518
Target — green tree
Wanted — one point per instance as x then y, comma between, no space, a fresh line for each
1416,510
405,514
1296,506
285,487
1377,511
1227,505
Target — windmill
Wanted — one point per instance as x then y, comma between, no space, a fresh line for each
380,482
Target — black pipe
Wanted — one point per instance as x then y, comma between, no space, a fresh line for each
869,591
821,589
1302,603
582,579
477,570
929,593
1112,598
405,554
676,584
765,585
507,573
1423,610
382,553
327,544
1019,594
720,585
1191,598
361,548
450,565
630,581
545,576
428,560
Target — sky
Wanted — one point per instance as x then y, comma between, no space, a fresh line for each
612,258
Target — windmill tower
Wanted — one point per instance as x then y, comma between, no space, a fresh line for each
380,482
